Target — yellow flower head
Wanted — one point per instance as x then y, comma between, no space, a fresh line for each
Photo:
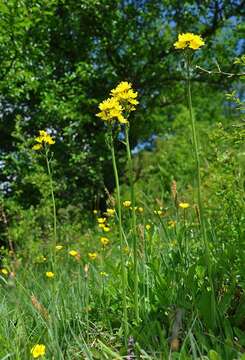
101,220
50,274
104,240
148,227
101,226
140,209
59,247
110,212
111,110
38,350
158,212
92,256
42,139
183,205
127,203
125,96
73,252
190,40
106,229
4,271
95,211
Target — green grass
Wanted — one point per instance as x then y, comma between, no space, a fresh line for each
83,309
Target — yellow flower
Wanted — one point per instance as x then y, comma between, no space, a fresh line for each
171,223
104,241
106,229
38,350
110,212
127,203
102,226
140,209
95,211
190,40
4,271
148,227
103,273
125,96
92,256
101,220
158,212
111,110
49,274
59,247
37,147
44,138
73,252
183,205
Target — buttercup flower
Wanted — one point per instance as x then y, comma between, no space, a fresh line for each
92,256
4,271
110,212
104,240
38,350
127,203
50,274
106,229
59,247
190,40
148,227
101,220
183,205
140,209
95,211
73,252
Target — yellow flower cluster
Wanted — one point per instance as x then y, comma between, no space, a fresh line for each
123,99
43,139
190,40
38,350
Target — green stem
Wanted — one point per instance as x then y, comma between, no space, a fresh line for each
52,195
199,197
135,255
123,262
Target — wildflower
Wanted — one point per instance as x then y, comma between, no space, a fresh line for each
104,241
171,223
38,350
101,226
95,211
4,271
101,220
158,212
140,209
110,212
125,95
106,229
103,273
59,247
148,227
110,110
92,256
127,203
190,40
73,252
49,274
183,205
43,139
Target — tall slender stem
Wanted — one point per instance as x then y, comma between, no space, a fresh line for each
199,197
135,247
123,262
52,195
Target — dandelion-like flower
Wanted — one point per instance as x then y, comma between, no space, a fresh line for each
59,247
189,40
148,227
92,256
125,96
38,350
73,252
104,240
184,205
49,274
101,220
110,212
127,203
111,110
43,139
4,271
